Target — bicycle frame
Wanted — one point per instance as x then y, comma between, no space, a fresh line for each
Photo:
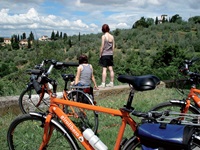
193,95
54,109
45,87
194,92
49,91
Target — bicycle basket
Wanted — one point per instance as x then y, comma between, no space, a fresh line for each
172,136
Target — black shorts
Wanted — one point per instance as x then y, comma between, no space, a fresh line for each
107,61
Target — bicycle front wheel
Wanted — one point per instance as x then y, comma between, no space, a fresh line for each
82,117
26,132
30,101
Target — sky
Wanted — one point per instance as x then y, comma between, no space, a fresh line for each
84,16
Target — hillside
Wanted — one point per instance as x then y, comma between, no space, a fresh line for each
158,50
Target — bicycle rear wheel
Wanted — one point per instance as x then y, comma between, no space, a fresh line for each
195,143
177,107
26,132
82,117
132,144
29,101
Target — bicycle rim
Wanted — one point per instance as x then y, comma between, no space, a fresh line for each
29,101
26,132
82,117
132,144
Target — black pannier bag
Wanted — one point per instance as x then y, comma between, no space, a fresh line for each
168,136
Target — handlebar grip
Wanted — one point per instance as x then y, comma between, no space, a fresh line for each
37,86
139,114
59,65
68,64
34,71
194,59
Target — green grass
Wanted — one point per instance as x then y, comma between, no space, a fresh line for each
108,124
4,124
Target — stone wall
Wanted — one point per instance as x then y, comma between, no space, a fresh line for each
10,103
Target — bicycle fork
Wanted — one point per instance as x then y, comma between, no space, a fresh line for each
48,130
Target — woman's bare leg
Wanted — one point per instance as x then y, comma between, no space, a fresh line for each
112,74
104,74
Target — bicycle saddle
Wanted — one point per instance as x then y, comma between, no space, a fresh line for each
140,83
68,77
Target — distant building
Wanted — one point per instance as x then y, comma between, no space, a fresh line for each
161,19
7,41
23,42
44,38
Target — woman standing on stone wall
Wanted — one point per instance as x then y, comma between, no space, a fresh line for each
106,56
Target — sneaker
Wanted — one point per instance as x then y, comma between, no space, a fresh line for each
110,84
102,85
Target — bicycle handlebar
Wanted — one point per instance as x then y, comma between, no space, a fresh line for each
150,115
42,74
192,61
184,68
193,74
57,65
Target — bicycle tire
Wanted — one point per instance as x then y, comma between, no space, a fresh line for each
87,118
132,144
173,107
29,99
195,144
26,131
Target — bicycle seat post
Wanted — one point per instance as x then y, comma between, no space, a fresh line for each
130,98
66,87
54,84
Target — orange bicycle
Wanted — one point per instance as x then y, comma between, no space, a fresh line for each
56,130
190,104
36,96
